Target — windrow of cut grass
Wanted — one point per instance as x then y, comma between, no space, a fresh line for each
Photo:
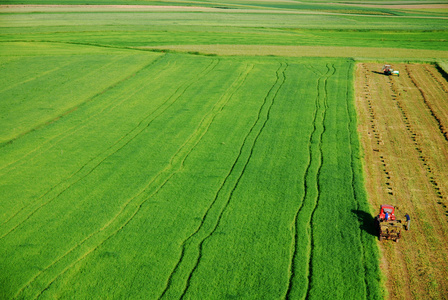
189,176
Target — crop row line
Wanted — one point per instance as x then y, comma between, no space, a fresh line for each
310,197
120,217
41,74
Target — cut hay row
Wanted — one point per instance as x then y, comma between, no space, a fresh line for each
358,53
405,150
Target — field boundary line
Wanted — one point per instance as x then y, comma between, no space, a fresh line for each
351,129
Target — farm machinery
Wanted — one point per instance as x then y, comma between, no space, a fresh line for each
387,70
389,227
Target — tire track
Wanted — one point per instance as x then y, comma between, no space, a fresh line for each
130,210
268,103
95,162
192,247
310,198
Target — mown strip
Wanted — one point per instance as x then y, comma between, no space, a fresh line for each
309,51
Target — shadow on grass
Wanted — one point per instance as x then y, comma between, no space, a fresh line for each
366,221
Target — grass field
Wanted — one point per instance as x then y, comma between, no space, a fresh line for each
181,168
130,169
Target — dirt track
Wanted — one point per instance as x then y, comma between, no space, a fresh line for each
403,125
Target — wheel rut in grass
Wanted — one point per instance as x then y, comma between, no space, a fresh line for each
179,280
303,219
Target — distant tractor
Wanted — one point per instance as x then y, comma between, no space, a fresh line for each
387,70
388,226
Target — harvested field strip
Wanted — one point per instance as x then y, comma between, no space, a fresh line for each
406,158
309,51
434,96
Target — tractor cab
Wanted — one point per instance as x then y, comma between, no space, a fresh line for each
387,69
390,211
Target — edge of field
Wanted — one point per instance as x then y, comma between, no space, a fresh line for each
357,53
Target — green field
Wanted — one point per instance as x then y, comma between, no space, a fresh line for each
146,173
183,169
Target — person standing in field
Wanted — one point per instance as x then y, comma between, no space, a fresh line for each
408,221
386,216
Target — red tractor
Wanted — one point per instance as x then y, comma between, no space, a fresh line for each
387,70
387,224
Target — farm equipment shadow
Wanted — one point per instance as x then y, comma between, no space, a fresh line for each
381,73
366,221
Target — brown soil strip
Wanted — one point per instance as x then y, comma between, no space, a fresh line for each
309,51
402,124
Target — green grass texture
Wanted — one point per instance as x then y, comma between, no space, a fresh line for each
132,174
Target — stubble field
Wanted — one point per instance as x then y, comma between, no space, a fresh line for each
403,125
